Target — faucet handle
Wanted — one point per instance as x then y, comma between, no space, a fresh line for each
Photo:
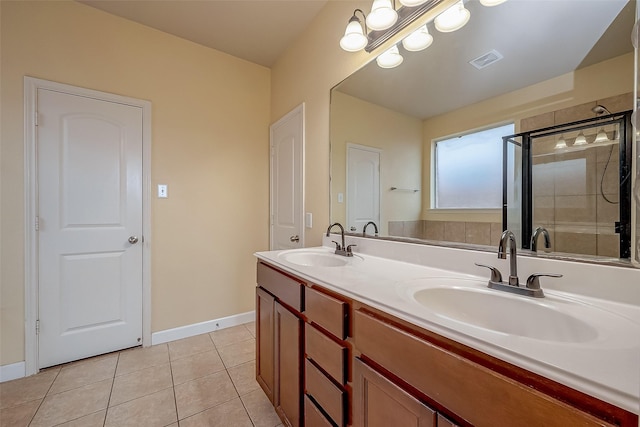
338,247
534,283
349,251
496,276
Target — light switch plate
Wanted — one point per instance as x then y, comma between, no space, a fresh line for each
162,191
340,198
308,220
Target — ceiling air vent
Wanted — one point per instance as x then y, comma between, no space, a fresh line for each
487,59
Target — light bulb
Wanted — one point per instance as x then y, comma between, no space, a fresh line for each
382,15
413,3
453,18
490,3
561,144
601,136
418,40
354,38
390,58
580,140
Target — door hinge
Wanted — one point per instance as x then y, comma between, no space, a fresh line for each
36,223
35,119
272,217
38,327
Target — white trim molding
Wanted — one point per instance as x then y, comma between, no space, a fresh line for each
187,331
31,86
12,371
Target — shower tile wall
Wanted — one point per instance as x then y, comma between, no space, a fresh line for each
567,187
478,233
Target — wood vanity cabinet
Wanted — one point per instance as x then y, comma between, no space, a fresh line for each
325,360
279,302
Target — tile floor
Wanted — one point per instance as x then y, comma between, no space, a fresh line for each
206,380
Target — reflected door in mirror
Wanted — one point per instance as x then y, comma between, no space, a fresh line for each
363,186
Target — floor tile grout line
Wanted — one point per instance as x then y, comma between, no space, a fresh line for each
173,387
210,407
247,411
75,419
113,383
44,397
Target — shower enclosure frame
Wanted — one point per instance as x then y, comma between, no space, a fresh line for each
524,141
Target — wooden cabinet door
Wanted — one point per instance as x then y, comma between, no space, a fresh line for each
288,358
265,374
377,402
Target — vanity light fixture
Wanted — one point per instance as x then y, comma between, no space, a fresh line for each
384,22
355,38
601,136
580,140
453,18
391,58
491,3
561,144
418,40
382,16
412,3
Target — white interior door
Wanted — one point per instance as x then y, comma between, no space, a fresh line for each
363,186
89,170
287,157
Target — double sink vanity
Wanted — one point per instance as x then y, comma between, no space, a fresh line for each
410,334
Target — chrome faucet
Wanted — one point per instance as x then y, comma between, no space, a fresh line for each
534,238
507,235
340,248
364,229
532,287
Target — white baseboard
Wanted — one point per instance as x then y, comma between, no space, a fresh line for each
12,371
201,328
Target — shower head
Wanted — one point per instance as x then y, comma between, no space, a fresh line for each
599,109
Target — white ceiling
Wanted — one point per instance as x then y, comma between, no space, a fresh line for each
255,30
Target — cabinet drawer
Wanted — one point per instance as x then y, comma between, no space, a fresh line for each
329,396
443,422
465,387
286,289
312,415
328,312
327,353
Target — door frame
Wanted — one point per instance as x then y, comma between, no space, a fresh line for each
300,109
31,86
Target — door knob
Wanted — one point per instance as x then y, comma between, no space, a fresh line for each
133,240
294,238
352,228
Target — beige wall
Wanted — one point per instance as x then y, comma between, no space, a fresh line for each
210,123
398,136
597,82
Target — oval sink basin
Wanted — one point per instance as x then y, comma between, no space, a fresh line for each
317,258
505,313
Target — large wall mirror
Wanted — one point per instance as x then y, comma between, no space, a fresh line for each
394,132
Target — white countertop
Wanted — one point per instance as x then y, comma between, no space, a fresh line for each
607,367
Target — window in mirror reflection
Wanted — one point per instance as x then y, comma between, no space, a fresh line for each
468,169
